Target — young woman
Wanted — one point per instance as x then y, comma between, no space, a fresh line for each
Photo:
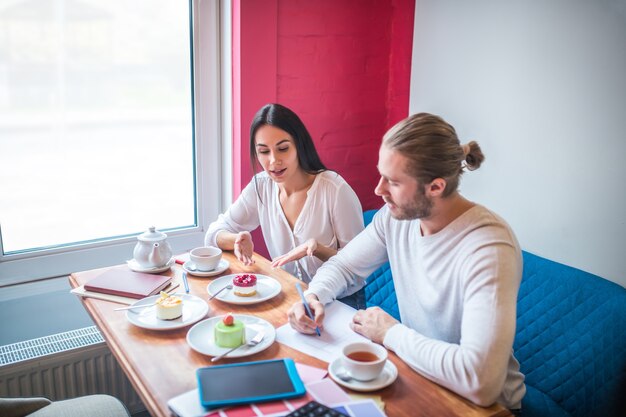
306,212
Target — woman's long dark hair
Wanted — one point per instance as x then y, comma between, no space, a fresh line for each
281,117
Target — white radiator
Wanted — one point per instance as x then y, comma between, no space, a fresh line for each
63,366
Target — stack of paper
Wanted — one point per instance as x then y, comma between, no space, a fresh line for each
323,390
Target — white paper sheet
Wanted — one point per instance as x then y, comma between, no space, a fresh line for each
335,335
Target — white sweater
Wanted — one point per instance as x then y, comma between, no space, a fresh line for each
457,295
332,215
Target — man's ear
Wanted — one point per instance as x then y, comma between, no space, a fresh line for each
436,187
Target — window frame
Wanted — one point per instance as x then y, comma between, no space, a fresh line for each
212,163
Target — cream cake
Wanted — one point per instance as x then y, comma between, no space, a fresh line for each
245,285
169,307
229,332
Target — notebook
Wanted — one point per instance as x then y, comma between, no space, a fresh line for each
122,281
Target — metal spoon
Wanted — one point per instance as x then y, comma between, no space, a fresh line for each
343,375
228,287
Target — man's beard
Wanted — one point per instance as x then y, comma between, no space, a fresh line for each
420,208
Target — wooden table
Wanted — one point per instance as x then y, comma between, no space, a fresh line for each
161,365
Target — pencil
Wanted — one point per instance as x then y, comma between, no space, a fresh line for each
306,306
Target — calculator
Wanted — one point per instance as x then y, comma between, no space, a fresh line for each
315,409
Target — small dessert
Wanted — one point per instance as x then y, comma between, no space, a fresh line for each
169,307
245,285
229,332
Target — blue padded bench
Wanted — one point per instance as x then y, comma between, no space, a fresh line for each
379,290
570,339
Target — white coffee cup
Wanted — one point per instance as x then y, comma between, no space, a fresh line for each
364,361
205,258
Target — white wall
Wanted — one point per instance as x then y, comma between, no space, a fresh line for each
541,85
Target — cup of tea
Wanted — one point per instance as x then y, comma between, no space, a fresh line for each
205,258
364,361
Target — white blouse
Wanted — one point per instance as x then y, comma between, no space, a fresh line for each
331,214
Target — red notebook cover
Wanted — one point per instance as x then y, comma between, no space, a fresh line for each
122,281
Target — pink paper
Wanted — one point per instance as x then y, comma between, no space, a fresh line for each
272,407
309,373
241,411
327,392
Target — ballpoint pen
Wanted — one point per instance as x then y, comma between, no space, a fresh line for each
306,306
185,282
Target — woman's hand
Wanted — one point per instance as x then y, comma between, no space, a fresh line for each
308,248
244,247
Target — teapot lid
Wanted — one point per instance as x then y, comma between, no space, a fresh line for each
151,235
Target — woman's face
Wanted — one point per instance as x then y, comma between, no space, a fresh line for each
276,152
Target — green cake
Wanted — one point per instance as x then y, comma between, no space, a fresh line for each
229,332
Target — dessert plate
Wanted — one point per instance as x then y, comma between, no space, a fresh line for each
194,309
386,377
221,267
132,264
266,288
201,339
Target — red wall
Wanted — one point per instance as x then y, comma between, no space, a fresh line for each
342,65
254,41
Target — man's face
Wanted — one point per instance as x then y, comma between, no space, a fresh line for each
404,195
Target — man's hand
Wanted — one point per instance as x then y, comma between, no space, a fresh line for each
306,249
244,247
300,321
372,323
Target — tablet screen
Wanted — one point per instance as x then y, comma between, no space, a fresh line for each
248,382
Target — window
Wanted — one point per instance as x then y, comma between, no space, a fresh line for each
97,133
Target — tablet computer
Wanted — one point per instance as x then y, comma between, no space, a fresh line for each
248,382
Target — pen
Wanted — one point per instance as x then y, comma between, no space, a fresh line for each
306,306
185,282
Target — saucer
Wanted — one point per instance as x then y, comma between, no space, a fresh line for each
132,264
386,377
221,267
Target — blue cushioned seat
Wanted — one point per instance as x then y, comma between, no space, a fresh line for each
379,290
570,338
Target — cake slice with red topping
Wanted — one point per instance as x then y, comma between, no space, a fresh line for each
245,285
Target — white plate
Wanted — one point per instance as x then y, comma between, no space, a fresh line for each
201,339
132,264
266,288
387,376
221,267
194,309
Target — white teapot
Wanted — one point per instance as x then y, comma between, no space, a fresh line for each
152,250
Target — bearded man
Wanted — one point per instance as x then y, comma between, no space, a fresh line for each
456,268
